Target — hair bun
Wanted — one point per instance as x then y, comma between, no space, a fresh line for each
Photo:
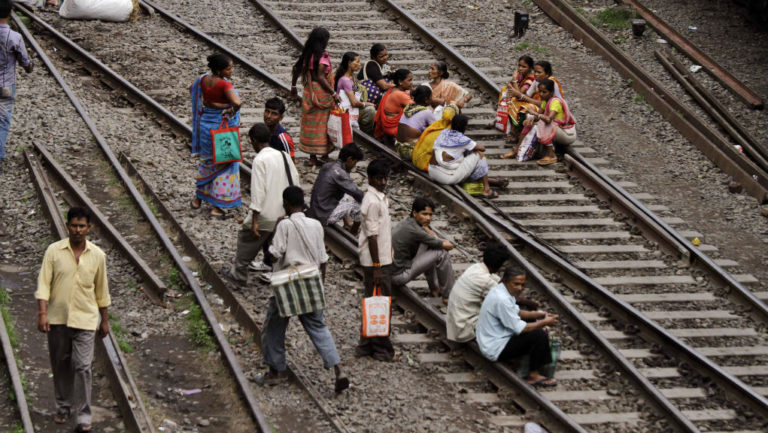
446,74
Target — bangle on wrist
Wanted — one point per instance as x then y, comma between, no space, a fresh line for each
42,313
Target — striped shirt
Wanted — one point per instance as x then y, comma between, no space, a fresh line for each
13,50
281,140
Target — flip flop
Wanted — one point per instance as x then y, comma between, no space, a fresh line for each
61,418
222,216
342,383
82,428
546,382
199,203
493,194
546,161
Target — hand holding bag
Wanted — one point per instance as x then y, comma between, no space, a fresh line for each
376,311
226,143
339,129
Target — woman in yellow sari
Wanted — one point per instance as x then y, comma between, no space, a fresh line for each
422,151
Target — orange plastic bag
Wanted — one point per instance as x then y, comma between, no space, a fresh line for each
376,311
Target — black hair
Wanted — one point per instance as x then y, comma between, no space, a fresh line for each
494,256
75,212
218,62
378,167
350,151
316,44
293,196
421,95
376,49
275,103
527,59
348,57
259,133
5,8
459,123
545,65
400,75
548,84
510,272
442,68
422,203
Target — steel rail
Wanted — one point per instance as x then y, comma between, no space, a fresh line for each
15,378
238,310
688,48
202,35
232,363
712,104
732,128
700,134
135,416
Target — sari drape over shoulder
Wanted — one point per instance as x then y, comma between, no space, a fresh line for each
448,91
546,132
385,125
217,184
422,152
316,104
515,106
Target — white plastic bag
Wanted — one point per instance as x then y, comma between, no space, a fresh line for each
106,10
334,129
354,112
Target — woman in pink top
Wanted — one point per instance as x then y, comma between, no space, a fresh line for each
314,67
354,95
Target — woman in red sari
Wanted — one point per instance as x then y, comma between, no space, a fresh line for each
314,67
392,105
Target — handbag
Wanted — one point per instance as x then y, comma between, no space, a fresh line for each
226,143
502,114
376,311
339,130
298,290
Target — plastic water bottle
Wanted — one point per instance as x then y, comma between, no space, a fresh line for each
555,348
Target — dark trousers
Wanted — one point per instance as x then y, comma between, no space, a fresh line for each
533,343
379,347
248,247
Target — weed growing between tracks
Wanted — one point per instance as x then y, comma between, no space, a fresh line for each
615,18
120,334
197,328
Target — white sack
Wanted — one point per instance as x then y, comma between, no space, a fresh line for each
106,10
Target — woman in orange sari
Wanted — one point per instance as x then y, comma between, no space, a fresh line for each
444,91
314,67
392,105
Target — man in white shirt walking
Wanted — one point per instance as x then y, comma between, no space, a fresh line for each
272,171
298,241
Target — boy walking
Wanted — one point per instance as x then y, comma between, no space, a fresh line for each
375,250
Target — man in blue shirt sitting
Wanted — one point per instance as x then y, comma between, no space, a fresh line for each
503,332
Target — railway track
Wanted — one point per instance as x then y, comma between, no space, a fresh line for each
714,416
17,416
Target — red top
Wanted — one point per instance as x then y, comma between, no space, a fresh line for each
216,93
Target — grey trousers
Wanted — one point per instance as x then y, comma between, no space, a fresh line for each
273,337
71,352
366,120
248,248
436,266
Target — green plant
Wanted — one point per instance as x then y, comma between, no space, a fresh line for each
522,46
638,97
197,327
120,334
174,278
615,18
18,429
5,300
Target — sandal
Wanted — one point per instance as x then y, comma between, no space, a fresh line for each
61,418
545,382
311,163
493,194
342,383
222,216
196,203
547,161
81,428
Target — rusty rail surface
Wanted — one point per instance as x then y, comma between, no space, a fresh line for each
695,54
15,378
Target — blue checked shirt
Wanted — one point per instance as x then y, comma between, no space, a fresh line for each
13,50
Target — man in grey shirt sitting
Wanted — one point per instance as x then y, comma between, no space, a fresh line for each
418,251
334,195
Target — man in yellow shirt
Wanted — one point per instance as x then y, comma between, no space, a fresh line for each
72,292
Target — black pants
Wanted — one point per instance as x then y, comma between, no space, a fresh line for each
379,347
534,343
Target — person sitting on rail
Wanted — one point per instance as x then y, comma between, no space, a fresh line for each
422,151
555,125
457,158
354,95
274,109
314,68
214,99
516,108
416,118
503,333
271,172
445,91
418,250
470,289
542,70
298,241
334,195
392,105
375,75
